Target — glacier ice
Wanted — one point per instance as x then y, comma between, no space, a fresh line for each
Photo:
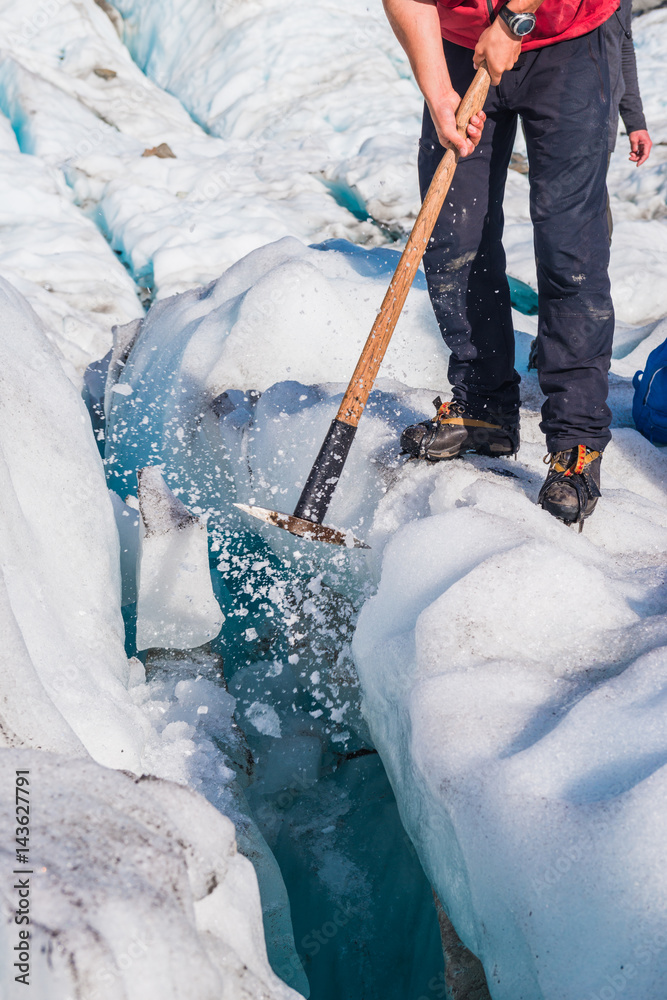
493,630
289,610
291,108
512,677
153,901
58,259
174,222
66,685
176,607
526,754
60,556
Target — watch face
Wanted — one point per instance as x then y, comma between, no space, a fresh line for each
519,24
522,24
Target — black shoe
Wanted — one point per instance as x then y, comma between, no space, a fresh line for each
453,431
572,487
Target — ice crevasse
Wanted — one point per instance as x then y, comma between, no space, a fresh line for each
137,886
513,672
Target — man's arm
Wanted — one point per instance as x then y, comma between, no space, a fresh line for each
632,111
416,24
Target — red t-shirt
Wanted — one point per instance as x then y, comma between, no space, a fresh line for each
463,21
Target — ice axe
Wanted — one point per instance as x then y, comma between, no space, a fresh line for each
306,521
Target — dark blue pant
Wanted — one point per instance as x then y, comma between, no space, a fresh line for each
561,93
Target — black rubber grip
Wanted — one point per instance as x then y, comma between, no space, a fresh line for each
325,473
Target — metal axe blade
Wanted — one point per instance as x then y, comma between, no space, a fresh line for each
311,530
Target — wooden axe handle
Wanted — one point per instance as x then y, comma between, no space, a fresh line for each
375,348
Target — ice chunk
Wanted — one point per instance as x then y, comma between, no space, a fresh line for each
512,675
176,607
124,339
59,557
264,718
152,902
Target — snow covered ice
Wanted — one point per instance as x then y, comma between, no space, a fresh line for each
502,670
68,688
155,901
61,611
524,736
518,715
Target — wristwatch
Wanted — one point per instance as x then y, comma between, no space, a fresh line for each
519,24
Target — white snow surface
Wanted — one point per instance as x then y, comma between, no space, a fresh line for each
513,677
304,124
60,574
178,222
58,259
137,891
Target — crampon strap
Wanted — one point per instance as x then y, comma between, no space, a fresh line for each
453,412
576,475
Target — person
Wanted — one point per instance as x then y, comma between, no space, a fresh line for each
626,99
626,102
548,65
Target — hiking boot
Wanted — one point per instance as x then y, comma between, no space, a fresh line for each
572,487
453,431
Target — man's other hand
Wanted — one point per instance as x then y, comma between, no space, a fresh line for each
640,146
499,48
443,114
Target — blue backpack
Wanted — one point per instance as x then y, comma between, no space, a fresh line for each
649,406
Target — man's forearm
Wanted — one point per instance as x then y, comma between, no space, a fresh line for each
632,111
416,24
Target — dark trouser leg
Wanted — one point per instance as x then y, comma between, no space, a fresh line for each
563,98
465,260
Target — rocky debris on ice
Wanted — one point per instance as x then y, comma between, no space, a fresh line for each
137,890
176,607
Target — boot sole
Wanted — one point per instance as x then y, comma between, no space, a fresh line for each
484,450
